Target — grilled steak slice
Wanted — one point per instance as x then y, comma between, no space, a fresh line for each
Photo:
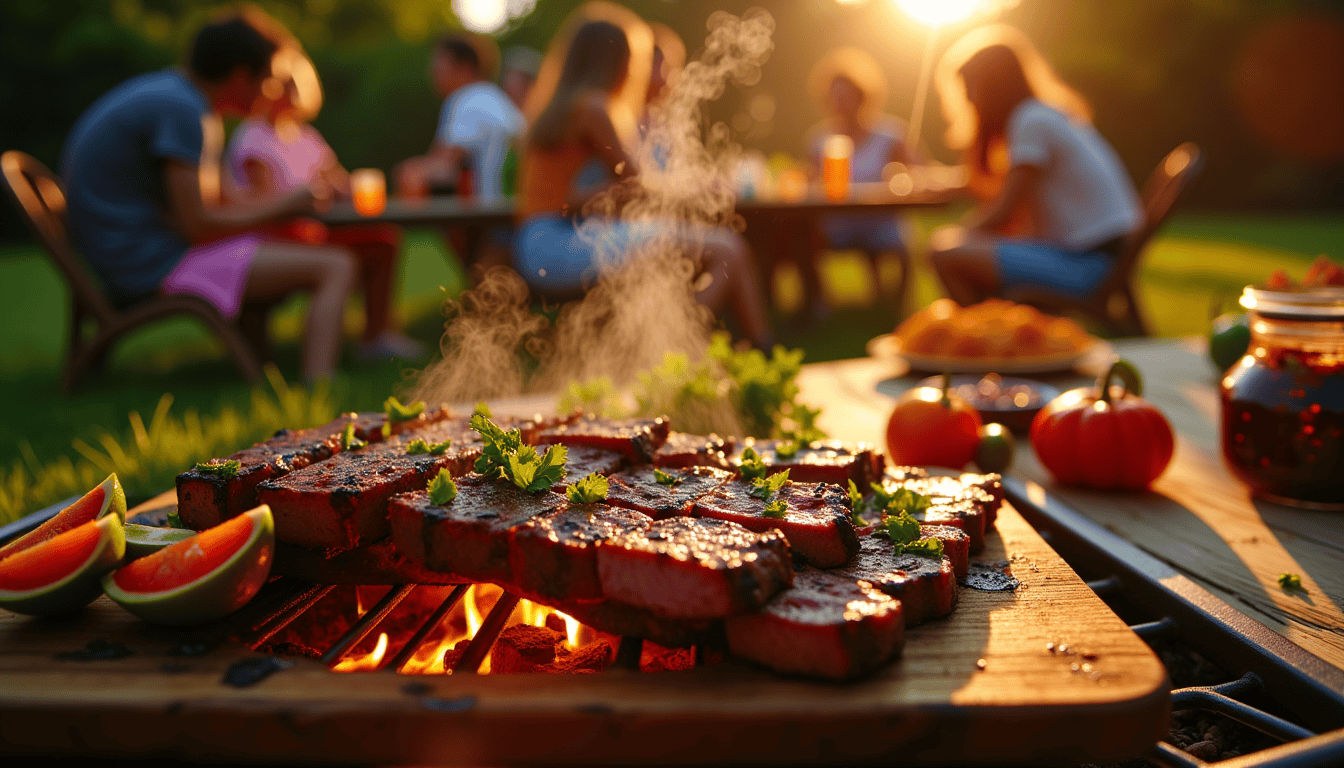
953,502
636,488
368,564
467,536
683,450
636,439
991,484
956,546
823,626
926,586
816,521
581,461
695,569
373,430
823,461
554,554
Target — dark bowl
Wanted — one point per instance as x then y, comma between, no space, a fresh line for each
1007,400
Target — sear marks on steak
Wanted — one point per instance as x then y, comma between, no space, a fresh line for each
689,568
683,450
956,546
636,488
816,522
368,564
582,460
636,439
822,461
823,626
342,502
467,536
554,554
926,587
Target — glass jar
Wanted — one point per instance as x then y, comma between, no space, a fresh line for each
1283,403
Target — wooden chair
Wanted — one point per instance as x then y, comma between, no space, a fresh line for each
38,194
1114,305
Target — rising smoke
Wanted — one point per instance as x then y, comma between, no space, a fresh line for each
643,304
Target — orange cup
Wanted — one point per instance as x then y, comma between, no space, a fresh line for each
368,190
837,157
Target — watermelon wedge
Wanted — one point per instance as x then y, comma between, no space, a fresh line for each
202,578
61,574
106,497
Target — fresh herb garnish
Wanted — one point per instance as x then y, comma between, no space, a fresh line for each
899,500
752,467
776,508
902,528
498,444
482,409
534,473
765,487
588,490
396,412
348,440
442,489
1291,581
786,449
418,446
923,547
856,505
662,478
223,469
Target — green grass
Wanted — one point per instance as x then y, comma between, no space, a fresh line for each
51,446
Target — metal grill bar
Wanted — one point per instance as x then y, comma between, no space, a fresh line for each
1149,630
628,653
431,622
285,614
1218,698
361,628
480,645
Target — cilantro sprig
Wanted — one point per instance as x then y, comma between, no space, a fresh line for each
1289,582
497,444
442,489
396,412
765,487
348,440
663,478
482,409
588,490
419,447
504,455
884,502
930,547
904,532
224,469
786,449
776,509
753,466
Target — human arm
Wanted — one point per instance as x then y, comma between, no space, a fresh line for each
201,217
595,129
1019,188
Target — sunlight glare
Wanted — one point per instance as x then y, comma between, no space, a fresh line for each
482,15
936,13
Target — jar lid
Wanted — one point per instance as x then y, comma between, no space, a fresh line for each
1314,303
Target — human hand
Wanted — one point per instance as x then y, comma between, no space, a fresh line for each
412,179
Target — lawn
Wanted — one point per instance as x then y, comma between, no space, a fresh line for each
1200,260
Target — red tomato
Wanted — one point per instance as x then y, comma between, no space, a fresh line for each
932,427
1101,439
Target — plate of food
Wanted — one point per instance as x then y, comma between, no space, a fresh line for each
992,336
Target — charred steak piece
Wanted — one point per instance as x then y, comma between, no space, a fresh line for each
368,564
467,536
952,502
554,554
823,626
816,519
637,488
683,450
991,484
636,439
926,587
956,546
581,461
823,461
694,569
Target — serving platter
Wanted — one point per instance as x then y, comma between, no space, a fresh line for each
887,347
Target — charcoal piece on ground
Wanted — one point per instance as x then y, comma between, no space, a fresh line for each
582,461
468,536
624,620
342,502
637,488
636,439
822,461
824,626
926,586
379,563
683,450
817,518
956,546
523,647
697,569
593,657
554,554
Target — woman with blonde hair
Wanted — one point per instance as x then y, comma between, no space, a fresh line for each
1028,134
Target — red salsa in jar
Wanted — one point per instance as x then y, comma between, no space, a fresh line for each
1283,403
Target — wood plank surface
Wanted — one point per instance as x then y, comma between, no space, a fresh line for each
1198,518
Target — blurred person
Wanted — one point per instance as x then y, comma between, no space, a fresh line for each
477,126
277,150
141,168
520,68
576,125
1003,100
851,88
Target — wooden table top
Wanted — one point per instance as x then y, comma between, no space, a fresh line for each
1198,518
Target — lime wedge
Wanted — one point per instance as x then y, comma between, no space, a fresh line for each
144,540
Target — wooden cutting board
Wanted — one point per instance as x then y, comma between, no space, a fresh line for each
934,706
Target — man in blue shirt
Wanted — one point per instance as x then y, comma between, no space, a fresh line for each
141,168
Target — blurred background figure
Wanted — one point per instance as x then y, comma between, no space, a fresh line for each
520,67
275,151
141,168
1064,203
578,124
852,90
669,58
477,126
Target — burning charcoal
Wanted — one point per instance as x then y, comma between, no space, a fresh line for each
523,648
638,488
926,587
620,620
468,535
554,554
823,626
636,439
655,658
823,461
816,519
593,657
97,650
555,622
245,673
689,568
454,654
583,460
683,450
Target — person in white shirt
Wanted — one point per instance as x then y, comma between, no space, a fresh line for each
1059,219
477,127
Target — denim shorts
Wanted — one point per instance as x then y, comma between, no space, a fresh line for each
1037,264
555,256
